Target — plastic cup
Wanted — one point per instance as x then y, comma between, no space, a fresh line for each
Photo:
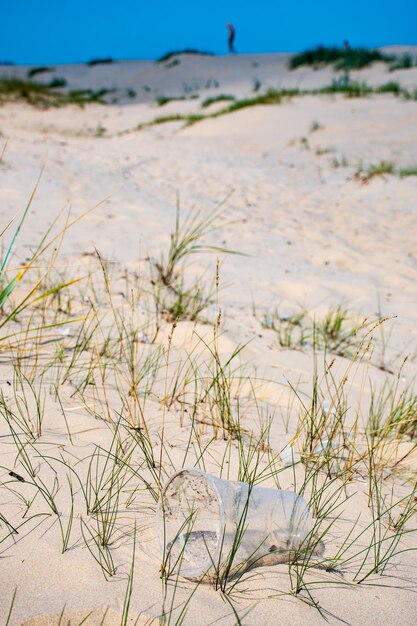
206,525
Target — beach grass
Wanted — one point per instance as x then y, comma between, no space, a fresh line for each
107,347
45,95
343,85
174,53
340,58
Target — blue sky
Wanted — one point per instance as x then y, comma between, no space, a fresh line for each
62,32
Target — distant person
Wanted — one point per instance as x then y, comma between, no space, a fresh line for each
346,45
231,38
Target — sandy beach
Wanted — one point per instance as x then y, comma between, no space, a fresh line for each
283,351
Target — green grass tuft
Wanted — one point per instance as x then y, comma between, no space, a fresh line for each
44,96
342,59
104,61
162,100
403,62
408,171
378,169
39,70
174,53
213,99
188,120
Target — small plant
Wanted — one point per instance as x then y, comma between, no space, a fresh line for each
100,131
171,295
256,85
408,171
379,169
335,333
315,126
320,151
290,329
340,162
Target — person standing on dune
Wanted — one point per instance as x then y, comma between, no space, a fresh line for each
231,38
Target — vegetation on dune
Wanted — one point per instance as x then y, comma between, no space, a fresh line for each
408,171
340,58
174,53
44,95
105,347
175,298
403,62
209,416
220,98
343,85
272,96
336,332
39,70
364,175
346,59
103,61
188,120
163,100
374,170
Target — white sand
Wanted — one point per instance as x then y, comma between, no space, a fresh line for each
313,237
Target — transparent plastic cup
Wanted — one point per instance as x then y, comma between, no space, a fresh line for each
208,526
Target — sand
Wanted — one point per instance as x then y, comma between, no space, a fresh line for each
312,235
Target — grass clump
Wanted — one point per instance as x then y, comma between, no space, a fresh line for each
373,171
272,96
45,95
347,87
290,329
334,333
162,100
174,53
14,89
213,99
390,87
39,70
315,126
404,62
340,58
340,161
408,171
365,174
174,297
100,61
256,85
188,120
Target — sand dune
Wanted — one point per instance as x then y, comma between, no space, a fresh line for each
315,230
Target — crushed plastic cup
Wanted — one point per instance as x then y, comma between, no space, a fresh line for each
207,526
